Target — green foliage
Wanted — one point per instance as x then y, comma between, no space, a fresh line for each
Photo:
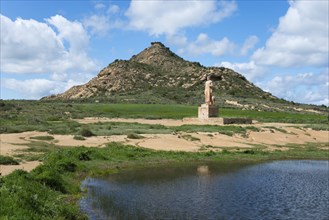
7,160
155,111
134,136
190,137
277,129
50,191
86,133
41,146
227,130
54,117
50,178
24,197
267,116
318,127
43,138
79,137
122,128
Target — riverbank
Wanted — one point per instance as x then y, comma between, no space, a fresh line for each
52,190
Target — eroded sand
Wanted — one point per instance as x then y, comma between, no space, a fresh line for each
269,138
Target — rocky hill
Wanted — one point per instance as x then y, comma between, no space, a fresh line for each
157,75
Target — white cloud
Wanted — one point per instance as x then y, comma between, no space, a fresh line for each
248,45
99,6
98,24
250,70
113,9
29,46
301,38
102,22
168,17
205,45
32,88
38,88
303,88
177,39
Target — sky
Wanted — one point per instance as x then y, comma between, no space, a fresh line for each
279,45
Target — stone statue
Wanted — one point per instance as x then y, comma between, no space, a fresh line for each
209,98
209,109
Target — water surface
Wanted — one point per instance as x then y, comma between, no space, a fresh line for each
273,190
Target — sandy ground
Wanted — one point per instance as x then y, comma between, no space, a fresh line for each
268,138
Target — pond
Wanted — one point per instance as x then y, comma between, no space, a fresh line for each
297,189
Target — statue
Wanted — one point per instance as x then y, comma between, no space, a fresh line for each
209,98
209,109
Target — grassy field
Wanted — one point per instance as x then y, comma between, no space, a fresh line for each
53,117
52,190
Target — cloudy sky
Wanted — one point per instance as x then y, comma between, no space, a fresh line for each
281,46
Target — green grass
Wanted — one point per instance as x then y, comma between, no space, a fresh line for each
318,127
148,111
190,137
79,138
85,132
227,129
52,190
53,117
134,136
284,117
123,128
276,128
43,138
7,160
40,146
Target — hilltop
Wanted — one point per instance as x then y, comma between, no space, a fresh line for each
157,75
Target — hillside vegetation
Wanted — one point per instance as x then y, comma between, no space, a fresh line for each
158,76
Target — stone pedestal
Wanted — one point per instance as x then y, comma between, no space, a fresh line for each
207,111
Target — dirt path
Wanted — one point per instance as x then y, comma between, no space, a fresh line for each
269,137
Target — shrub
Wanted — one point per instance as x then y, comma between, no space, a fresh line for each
84,156
86,132
43,138
134,136
6,160
190,137
50,178
249,151
79,138
67,166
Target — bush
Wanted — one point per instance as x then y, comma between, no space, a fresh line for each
50,178
67,166
84,156
86,133
134,136
249,151
43,138
23,197
79,138
6,160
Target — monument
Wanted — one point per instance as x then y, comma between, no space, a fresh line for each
208,112
209,109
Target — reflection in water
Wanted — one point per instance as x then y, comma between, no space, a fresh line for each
203,170
275,190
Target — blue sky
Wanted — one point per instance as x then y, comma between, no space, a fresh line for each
281,46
